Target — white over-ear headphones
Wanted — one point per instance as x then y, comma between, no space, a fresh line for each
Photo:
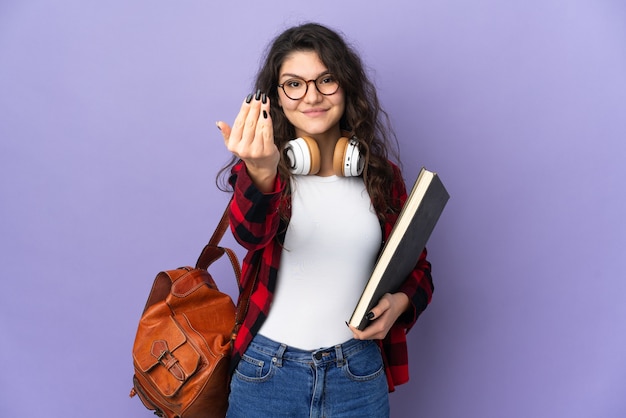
303,157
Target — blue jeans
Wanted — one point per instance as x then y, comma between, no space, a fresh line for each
274,380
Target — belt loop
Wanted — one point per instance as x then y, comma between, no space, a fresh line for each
278,358
339,354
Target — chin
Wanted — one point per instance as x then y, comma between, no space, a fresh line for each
318,130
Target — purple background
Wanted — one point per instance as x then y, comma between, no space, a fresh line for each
109,151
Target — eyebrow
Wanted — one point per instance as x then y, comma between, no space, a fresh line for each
302,78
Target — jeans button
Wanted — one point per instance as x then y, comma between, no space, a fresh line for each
318,356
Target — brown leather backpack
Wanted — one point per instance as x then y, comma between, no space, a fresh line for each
181,352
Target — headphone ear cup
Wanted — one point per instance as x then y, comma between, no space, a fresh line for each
303,156
347,158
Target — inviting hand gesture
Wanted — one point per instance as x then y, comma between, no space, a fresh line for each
252,139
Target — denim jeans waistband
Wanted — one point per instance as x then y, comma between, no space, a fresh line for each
281,352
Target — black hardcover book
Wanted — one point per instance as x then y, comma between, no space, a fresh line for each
406,242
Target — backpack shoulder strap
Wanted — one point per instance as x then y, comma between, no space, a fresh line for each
212,251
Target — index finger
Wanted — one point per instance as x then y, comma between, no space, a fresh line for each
240,120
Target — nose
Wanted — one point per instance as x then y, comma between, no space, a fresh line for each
311,95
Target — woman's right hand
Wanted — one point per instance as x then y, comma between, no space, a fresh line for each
252,140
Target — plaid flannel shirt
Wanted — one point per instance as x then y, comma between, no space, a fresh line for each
256,225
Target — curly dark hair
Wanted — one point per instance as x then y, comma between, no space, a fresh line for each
363,116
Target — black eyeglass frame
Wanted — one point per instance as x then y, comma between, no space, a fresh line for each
306,83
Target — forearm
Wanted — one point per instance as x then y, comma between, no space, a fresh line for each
253,214
419,289
264,179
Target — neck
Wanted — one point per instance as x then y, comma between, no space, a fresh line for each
326,143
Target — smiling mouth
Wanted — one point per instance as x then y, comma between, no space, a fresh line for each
314,112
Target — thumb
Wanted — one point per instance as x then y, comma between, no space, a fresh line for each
224,129
381,307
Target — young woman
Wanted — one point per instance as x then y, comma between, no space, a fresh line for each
313,222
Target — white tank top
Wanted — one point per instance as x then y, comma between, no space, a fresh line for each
330,248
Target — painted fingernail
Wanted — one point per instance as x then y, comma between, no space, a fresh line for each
258,95
218,125
264,114
264,98
370,316
249,98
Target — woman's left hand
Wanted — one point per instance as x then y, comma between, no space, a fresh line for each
390,307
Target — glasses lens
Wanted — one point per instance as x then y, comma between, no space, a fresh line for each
327,84
295,88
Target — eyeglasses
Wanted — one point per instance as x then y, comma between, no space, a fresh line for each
296,88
